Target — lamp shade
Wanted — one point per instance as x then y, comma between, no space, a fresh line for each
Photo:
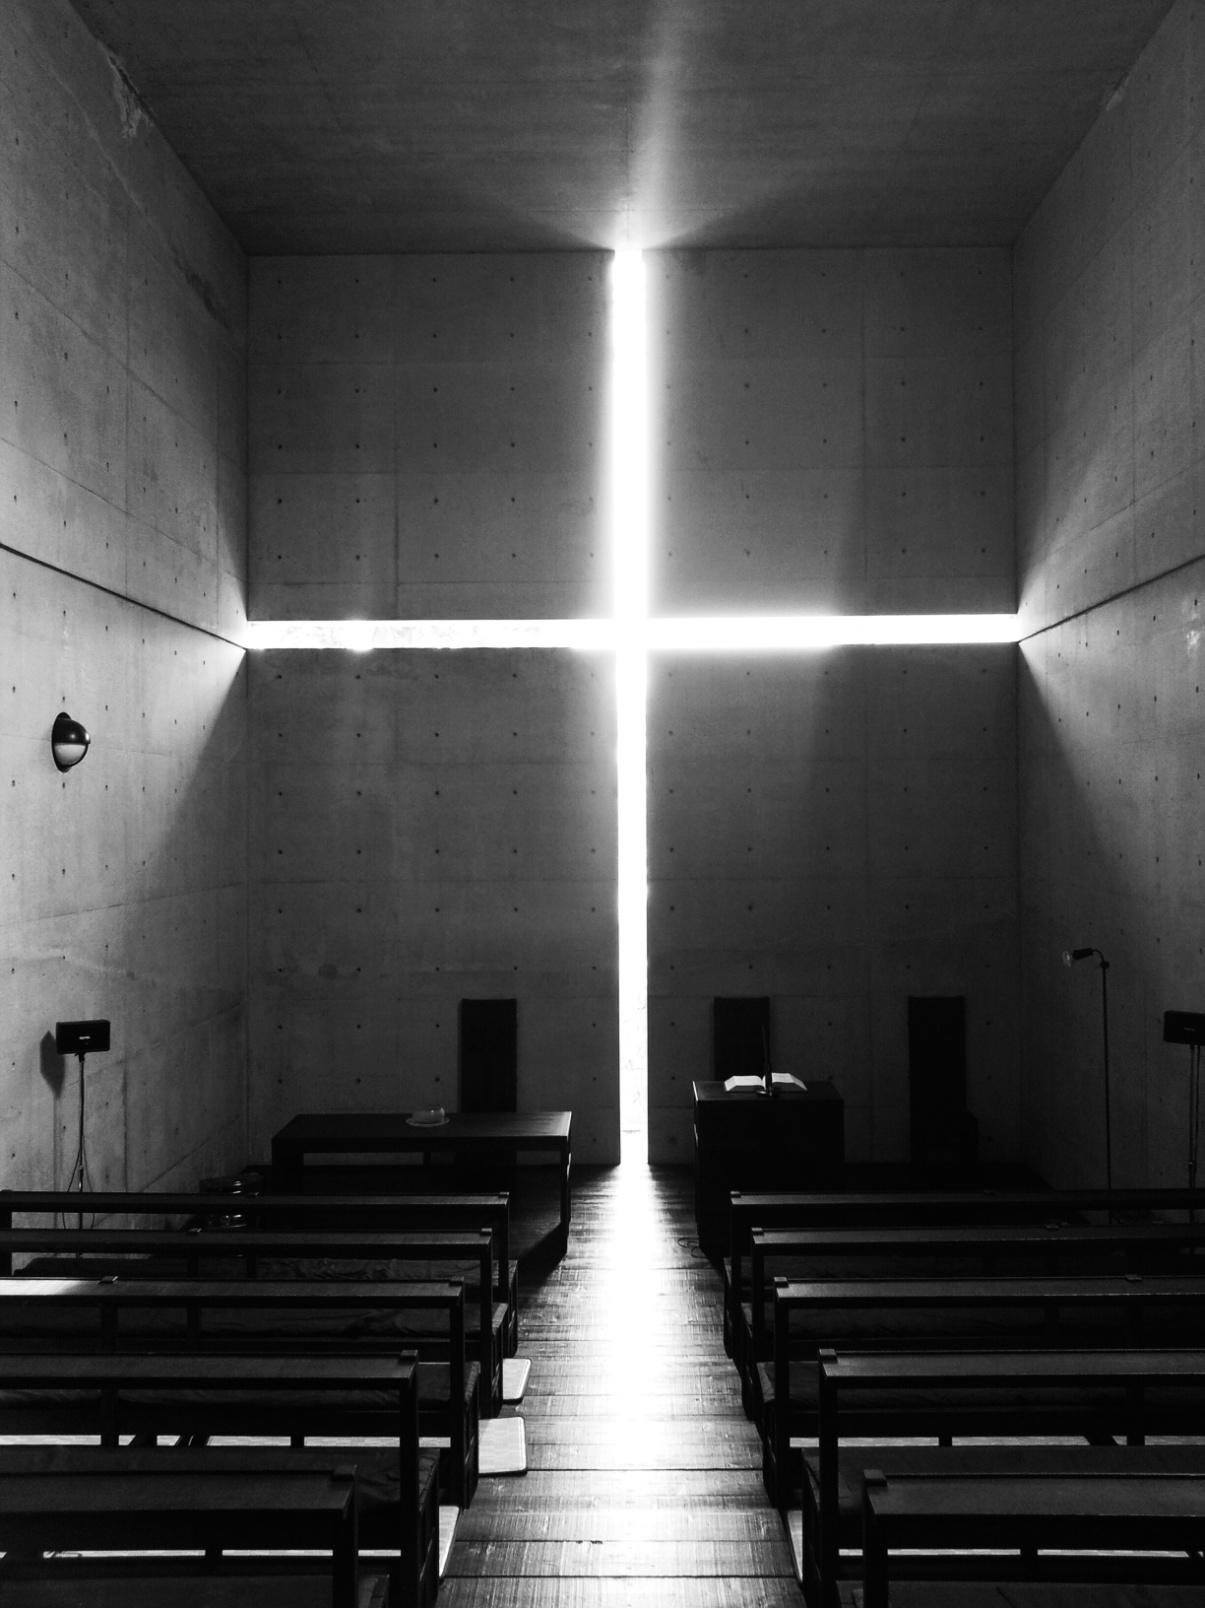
68,741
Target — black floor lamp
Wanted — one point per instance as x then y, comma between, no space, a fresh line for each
1070,957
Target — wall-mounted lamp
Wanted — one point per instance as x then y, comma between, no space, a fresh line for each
68,741
1070,956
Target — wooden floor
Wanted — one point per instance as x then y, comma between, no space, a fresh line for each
644,1476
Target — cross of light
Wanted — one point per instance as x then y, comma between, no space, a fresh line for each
631,634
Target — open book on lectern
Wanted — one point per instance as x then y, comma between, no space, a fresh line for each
782,1080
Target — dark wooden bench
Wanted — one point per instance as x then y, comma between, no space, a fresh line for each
989,1248
1018,1594
405,1213
1099,1396
1109,1514
480,1139
129,1500
273,1318
196,1395
78,1586
1031,1313
168,1253
893,1209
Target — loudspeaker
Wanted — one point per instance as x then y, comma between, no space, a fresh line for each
80,1038
1183,1027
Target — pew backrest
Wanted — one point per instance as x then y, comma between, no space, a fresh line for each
750,1209
1052,1246
927,1394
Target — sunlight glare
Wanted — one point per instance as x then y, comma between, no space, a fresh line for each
360,636
629,546
629,444
815,632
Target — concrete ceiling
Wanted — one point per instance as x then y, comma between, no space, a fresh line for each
487,125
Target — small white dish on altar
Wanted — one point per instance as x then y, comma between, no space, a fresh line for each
433,1117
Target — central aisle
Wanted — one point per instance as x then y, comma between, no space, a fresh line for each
644,1484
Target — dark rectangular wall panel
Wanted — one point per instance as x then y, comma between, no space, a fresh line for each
943,1132
741,1036
489,1054
937,1058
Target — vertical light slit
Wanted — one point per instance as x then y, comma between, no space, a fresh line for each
629,513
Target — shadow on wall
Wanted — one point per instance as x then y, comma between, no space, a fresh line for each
1087,878
52,1065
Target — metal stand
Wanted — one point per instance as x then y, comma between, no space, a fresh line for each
1194,1118
1070,957
1104,1007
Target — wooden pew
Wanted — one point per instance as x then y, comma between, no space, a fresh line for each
293,1212
168,1253
1097,1395
1142,1513
77,1587
55,1498
199,1394
915,1208
1013,1594
385,1213
290,1317
478,1139
990,1248
949,1314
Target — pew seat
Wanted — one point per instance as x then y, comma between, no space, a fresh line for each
1050,1247
423,1257
131,1500
1141,1527
1025,1594
357,1213
192,1396
894,1209
287,1318
980,1314
1100,1396
121,1587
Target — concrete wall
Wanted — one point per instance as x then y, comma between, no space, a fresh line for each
431,827
122,551
833,431
427,442
1111,534
428,437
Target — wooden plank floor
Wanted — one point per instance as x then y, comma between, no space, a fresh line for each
644,1476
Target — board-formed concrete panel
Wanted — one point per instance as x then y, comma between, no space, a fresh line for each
122,456
319,534
473,391
330,310
1113,550
430,827
837,831
831,430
